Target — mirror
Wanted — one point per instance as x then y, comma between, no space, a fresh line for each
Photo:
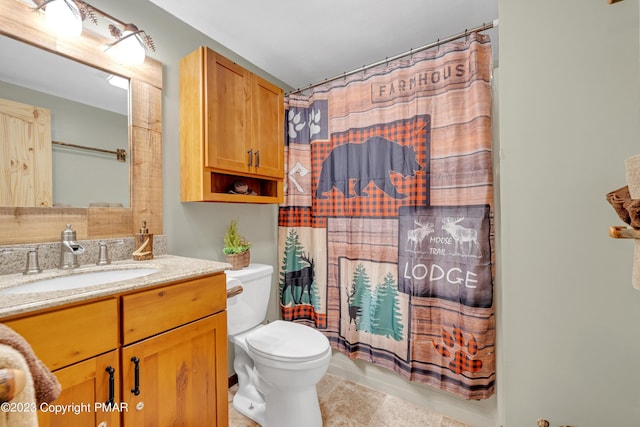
44,224
86,111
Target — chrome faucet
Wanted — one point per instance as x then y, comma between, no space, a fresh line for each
103,251
32,266
69,248
103,254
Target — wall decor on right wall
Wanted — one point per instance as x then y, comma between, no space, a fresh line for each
626,203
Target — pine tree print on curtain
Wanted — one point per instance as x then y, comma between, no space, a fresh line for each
375,310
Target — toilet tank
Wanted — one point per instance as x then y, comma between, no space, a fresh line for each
248,309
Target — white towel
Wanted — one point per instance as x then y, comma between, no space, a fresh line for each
13,359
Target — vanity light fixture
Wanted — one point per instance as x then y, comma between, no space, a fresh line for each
66,17
63,16
129,46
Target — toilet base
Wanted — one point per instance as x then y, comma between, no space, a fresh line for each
251,410
286,410
293,408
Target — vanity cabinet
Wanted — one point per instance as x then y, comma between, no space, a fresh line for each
164,347
231,128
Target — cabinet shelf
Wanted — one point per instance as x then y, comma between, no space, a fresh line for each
267,190
217,185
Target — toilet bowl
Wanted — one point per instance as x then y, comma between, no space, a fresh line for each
279,363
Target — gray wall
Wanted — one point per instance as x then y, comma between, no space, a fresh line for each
194,229
569,116
567,314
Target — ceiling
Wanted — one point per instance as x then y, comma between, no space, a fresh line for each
301,42
297,42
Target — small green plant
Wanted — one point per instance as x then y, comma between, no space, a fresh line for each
234,243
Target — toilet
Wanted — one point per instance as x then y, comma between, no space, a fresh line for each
279,363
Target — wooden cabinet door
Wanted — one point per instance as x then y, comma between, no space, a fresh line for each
85,392
227,122
267,128
182,376
25,155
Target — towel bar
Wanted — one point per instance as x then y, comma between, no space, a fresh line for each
622,232
11,383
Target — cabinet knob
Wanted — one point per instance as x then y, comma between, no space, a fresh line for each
258,158
250,153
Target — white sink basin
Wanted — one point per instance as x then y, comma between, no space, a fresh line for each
78,280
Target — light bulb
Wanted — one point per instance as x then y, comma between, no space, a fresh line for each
64,17
129,50
118,81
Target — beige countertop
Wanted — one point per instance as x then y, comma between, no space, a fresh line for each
170,268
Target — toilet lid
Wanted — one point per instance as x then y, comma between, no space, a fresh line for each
280,340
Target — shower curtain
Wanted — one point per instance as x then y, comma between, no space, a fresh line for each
386,231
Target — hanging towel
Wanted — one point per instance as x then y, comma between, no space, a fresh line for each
632,165
46,385
13,359
627,208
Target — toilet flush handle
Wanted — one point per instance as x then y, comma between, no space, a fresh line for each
232,292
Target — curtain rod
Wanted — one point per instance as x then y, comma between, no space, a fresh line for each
465,33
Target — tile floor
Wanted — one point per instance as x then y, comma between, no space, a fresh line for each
345,403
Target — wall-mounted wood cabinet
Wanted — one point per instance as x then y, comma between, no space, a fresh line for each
231,128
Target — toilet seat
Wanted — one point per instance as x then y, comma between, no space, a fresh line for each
287,342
